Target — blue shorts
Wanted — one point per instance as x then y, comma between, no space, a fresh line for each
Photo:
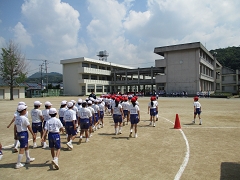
153,112
62,121
134,118
101,114
84,124
96,117
125,112
117,118
23,139
54,140
70,129
197,111
37,127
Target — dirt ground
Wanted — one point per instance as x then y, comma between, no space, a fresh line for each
207,151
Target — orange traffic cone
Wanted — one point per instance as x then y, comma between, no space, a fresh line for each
177,123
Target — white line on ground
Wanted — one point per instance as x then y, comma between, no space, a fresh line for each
201,127
187,154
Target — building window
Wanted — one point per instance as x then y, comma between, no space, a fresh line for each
234,78
234,88
94,66
85,76
223,78
83,89
93,77
102,78
106,89
102,67
217,86
85,65
99,88
223,88
91,88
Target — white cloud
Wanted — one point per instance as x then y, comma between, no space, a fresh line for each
56,22
2,42
21,36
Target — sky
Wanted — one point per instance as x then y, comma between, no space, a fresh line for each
128,30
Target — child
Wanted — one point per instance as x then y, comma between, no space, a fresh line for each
117,113
53,126
134,116
16,143
85,118
46,117
71,129
61,112
197,110
125,105
37,119
153,108
101,109
21,128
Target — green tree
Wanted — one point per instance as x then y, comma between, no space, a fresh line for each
13,67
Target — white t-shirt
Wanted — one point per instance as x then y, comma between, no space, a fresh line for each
133,110
197,104
21,123
36,115
53,125
96,108
125,105
84,113
61,111
101,107
155,104
17,114
116,110
46,115
69,115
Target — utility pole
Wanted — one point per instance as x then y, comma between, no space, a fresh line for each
41,68
45,62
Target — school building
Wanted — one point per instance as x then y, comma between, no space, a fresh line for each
186,67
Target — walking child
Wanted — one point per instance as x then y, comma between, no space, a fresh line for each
134,113
197,110
117,113
153,108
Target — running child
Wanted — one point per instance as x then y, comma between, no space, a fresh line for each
53,126
134,113
197,110
37,119
21,127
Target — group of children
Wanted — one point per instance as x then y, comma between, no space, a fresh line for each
84,116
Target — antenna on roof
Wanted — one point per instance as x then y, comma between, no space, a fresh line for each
103,55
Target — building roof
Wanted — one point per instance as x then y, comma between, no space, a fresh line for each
179,47
84,59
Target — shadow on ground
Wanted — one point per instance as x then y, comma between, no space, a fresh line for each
230,170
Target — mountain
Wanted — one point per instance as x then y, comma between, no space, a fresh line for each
53,77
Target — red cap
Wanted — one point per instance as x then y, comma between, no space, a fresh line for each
153,98
117,100
133,100
195,98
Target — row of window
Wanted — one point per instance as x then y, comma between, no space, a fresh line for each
206,57
206,70
95,77
96,66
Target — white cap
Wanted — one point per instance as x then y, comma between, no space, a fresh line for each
69,104
21,103
89,102
63,102
79,100
21,107
37,103
73,101
92,99
84,101
47,103
96,101
52,111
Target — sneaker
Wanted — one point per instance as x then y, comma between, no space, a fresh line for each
55,163
154,124
130,135
90,135
14,150
30,160
136,136
120,132
70,145
102,125
150,123
87,140
19,165
200,123
45,146
193,121
34,145
1,157
80,141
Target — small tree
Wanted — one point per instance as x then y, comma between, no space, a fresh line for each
13,68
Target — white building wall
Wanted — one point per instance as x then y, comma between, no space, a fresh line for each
20,90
